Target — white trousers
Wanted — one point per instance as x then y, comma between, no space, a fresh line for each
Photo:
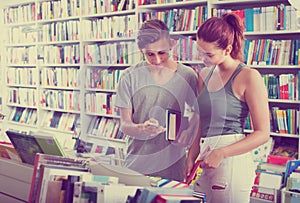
232,181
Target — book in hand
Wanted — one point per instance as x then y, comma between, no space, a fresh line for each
193,173
196,165
173,123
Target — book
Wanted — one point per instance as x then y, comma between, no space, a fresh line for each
49,144
54,191
46,159
126,176
11,19
149,194
68,197
193,172
272,167
107,193
177,198
268,185
173,124
52,173
85,191
291,166
69,175
260,154
28,145
8,151
165,182
271,180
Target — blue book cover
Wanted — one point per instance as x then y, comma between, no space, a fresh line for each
249,19
296,52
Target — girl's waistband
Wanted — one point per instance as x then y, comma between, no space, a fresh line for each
220,140
235,137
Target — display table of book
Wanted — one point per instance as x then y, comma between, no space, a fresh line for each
15,181
60,179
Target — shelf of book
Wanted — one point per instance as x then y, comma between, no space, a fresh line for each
73,42
272,48
280,71
243,3
289,196
53,56
152,5
79,34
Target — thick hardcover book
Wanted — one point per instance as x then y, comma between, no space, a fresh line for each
54,161
173,123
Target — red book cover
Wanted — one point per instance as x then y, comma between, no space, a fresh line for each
164,198
193,172
8,151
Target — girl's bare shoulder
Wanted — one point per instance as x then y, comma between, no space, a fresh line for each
249,74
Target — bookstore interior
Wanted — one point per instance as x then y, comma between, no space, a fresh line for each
61,61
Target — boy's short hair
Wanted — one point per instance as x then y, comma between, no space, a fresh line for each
151,31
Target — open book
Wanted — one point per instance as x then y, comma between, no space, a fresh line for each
28,145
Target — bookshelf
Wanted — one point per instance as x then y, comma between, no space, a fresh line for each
1,82
73,53
55,45
271,47
72,59
106,45
183,19
279,72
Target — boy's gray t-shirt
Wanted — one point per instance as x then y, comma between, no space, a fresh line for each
138,91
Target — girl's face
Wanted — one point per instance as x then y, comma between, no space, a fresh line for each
210,53
157,53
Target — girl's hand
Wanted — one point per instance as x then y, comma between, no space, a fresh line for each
213,159
188,168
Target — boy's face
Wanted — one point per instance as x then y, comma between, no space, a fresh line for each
157,53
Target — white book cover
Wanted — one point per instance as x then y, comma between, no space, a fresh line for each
115,193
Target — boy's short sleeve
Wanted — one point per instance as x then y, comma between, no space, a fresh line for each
123,96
